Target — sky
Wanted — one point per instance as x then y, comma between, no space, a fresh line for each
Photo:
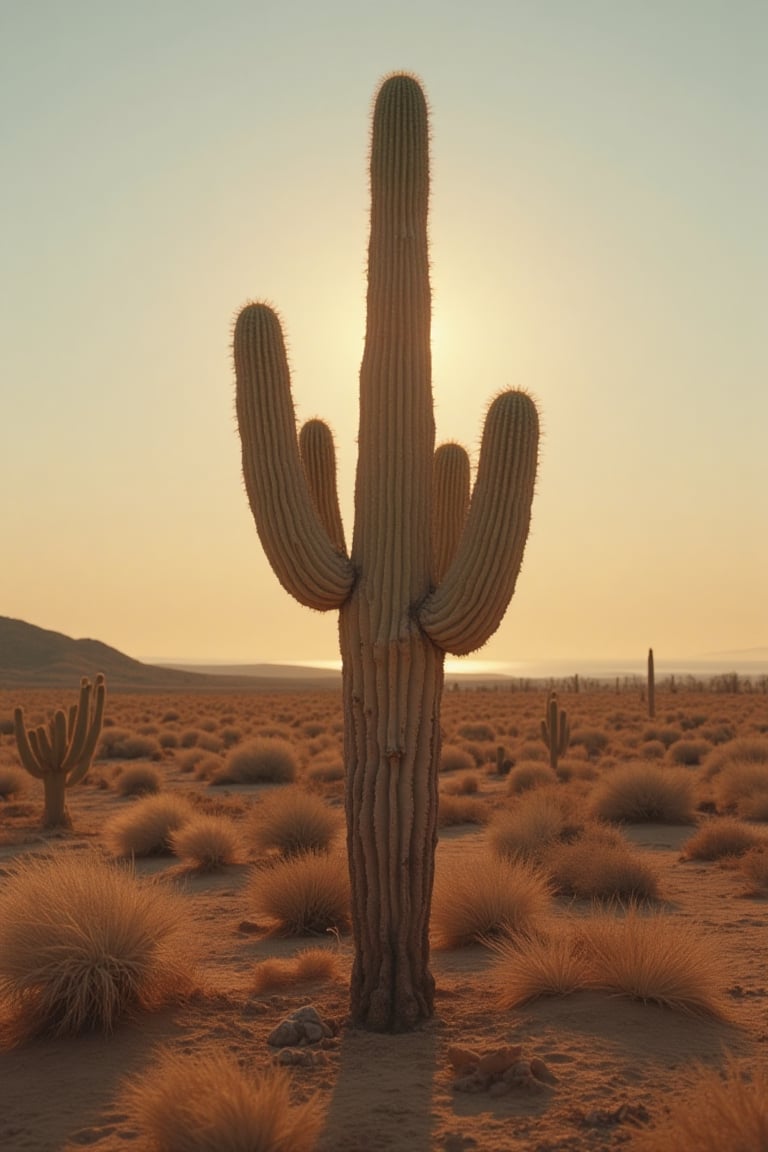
597,232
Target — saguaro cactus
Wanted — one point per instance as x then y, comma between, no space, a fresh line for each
429,571
60,753
651,686
555,730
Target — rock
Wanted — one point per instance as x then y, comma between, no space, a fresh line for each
499,1088
541,1072
463,1057
286,1034
473,1082
495,1063
312,1032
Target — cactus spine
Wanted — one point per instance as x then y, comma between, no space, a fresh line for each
429,571
61,753
555,730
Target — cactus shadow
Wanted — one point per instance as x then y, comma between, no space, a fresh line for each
382,1097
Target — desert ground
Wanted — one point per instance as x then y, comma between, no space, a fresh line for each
599,930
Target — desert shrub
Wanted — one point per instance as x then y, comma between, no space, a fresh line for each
720,838
722,1110
596,866
527,967
529,775
638,792
653,750
230,736
594,740
12,781
309,966
480,733
466,785
658,959
302,895
753,865
481,897
326,771
263,760
167,740
138,780
207,766
121,945
122,744
689,752
742,750
456,759
205,1102
453,810
719,732
666,735
207,842
145,828
292,821
537,819
170,716
741,786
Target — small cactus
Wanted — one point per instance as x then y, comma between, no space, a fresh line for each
651,686
555,730
503,762
60,753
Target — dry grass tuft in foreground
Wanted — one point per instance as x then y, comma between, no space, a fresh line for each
536,820
657,959
725,1111
531,966
294,821
600,865
83,942
302,895
309,966
207,843
146,828
476,899
642,792
208,1103
721,838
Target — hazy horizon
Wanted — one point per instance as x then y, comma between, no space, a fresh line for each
599,180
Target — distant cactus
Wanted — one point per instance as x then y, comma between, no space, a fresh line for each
503,762
651,686
60,753
555,730
430,570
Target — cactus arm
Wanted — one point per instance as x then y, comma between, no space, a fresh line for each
44,747
78,726
469,604
297,544
27,754
80,758
318,459
58,727
450,501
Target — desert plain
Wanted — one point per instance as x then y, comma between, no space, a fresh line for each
599,929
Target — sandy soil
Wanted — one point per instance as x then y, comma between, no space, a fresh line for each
618,1064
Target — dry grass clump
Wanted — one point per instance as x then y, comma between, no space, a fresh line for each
12,781
479,898
639,793
292,821
537,819
753,865
453,810
208,1103
724,1110
530,966
123,744
454,758
593,740
309,966
477,732
741,786
83,942
302,895
207,843
138,780
720,838
742,749
326,771
658,959
529,775
599,865
689,752
263,760
145,829
466,785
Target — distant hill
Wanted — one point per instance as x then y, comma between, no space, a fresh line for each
35,657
